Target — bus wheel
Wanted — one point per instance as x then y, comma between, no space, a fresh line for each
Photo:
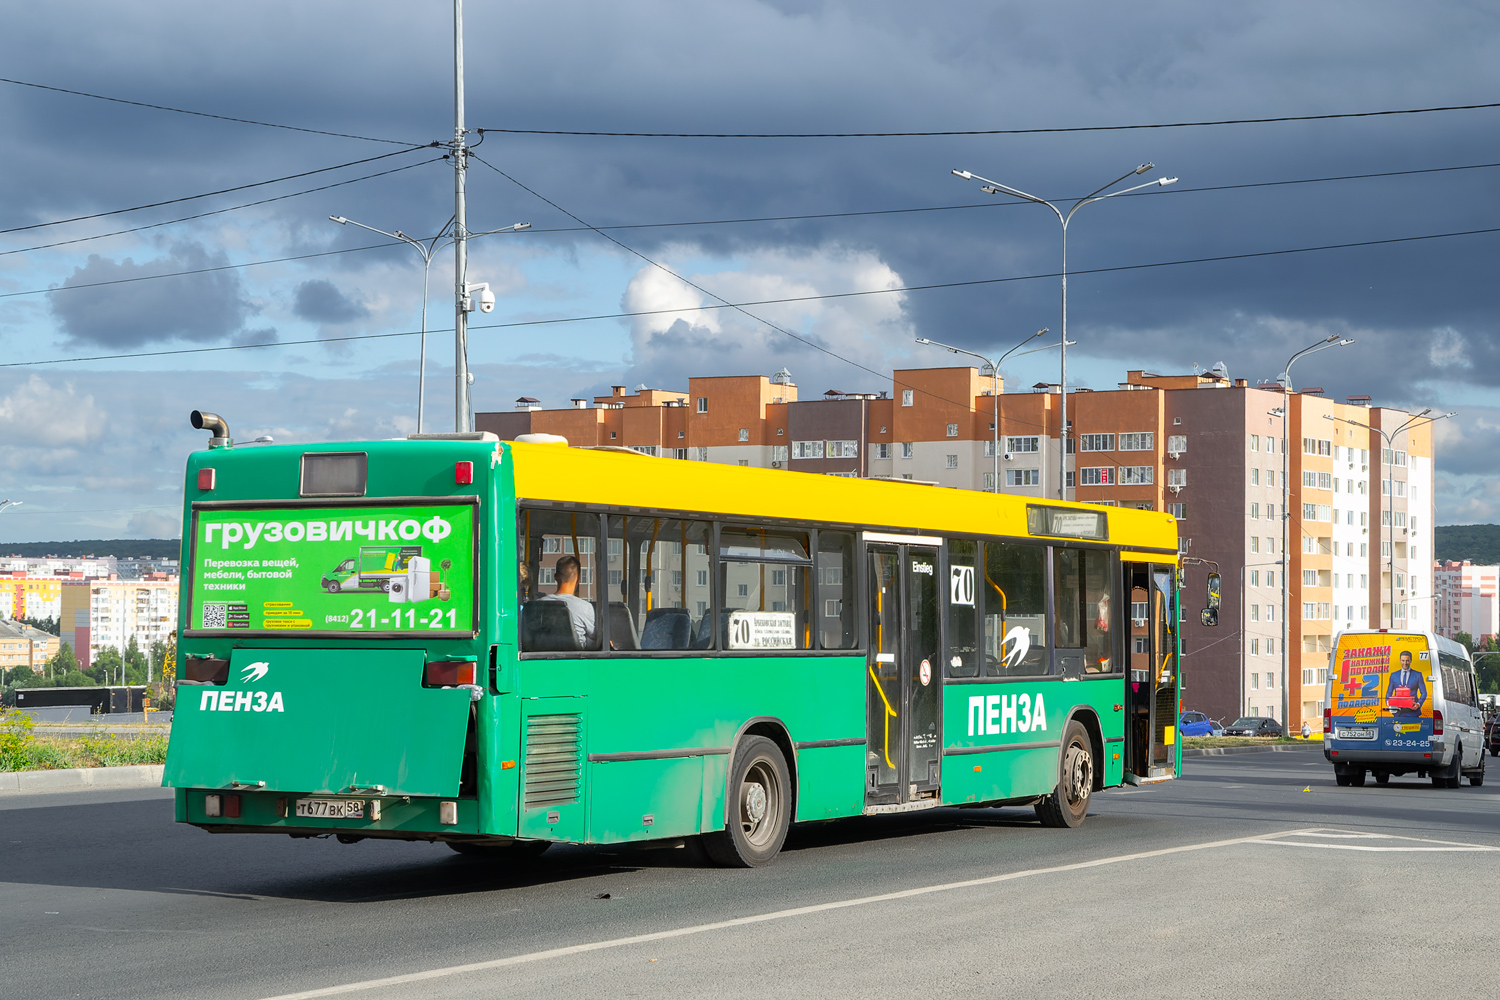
759,807
515,850
1069,802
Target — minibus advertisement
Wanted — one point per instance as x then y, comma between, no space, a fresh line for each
1382,692
354,570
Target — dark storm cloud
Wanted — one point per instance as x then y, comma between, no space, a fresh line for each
200,307
321,302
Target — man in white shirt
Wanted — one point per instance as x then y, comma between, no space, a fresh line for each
580,612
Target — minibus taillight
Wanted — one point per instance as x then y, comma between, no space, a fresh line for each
1327,720
448,673
1437,723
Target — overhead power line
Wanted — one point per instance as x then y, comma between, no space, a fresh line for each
991,131
759,302
208,194
221,211
756,219
204,114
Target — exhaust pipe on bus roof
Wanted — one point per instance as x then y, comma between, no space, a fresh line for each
202,420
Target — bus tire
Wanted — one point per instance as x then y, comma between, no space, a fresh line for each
1069,802
1341,779
515,850
760,803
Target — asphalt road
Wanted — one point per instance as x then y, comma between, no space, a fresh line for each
1253,875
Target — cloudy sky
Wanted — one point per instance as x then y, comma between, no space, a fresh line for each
114,326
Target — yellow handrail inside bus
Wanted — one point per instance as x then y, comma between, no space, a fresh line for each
650,557
890,713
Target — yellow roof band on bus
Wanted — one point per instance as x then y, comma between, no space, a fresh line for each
1155,557
608,478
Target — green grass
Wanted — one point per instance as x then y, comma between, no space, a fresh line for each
22,750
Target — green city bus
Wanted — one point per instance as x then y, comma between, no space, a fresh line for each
596,646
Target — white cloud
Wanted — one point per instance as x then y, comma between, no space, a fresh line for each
38,413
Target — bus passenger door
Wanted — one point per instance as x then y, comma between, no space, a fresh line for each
904,741
1151,684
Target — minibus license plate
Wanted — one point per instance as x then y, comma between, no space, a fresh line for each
1355,734
331,808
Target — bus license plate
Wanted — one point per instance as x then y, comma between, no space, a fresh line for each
331,808
1355,734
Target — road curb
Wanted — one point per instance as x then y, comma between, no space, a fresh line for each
78,779
1226,751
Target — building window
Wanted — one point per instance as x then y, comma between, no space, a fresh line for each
1143,441
989,481
1255,612
952,461
1023,477
953,430
644,449
1254,647
1255,511
779,453
1255,442
703,454
1176,443
744,434
882,450
807,449
1177,510
681,435
843,449
743,461
906,397
1309,611
906,451
1100,476
1255,681
1096,442
1070,479
1309,578
1137,475
1270,611
1254,543
1022,445
1254,477
1176,477
702,404
1255,578
1309,512
1309,478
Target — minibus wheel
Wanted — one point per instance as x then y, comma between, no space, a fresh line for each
1357,777
1476,778
760,802
1382,778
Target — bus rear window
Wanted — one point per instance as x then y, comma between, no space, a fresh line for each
334,474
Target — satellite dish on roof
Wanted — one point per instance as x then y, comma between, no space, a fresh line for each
1221,370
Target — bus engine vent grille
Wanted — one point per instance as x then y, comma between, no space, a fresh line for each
553,760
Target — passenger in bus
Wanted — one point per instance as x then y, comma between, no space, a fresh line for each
580,612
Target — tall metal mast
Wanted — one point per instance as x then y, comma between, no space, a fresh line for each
460,232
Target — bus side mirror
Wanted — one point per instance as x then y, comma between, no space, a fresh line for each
1213,591
1209,616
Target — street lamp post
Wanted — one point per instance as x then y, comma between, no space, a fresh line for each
1390,441
1285,379
995,187
994,383
427,248
10,503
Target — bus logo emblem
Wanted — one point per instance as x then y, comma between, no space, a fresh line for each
254,672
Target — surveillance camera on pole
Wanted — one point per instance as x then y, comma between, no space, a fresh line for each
486,298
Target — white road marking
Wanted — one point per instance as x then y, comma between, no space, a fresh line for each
1442,846
797,911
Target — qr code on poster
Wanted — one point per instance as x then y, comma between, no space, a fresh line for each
215,615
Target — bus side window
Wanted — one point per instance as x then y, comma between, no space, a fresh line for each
963,610
1014,590
1084,606
836,594
551,606
764,572
657,583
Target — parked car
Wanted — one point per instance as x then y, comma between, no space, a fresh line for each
1195,724
1217,727
1492,735
1253,725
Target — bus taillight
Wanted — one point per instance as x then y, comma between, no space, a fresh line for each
1327,720
448,673
463,473
1437,723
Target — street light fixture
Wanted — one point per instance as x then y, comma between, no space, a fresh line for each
427,248
1389,490
1334,340
994,382
10,503
995,187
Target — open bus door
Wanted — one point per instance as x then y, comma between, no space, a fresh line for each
903,704
1151,685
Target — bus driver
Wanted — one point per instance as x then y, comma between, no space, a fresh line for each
580,612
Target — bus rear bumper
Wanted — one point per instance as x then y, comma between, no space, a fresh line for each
396,817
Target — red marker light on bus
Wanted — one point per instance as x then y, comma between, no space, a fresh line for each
205,479
463,473
448,673
1437,723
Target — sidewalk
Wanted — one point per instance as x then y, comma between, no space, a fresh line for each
79,779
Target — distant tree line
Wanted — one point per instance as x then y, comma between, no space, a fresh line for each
120,548
136,666
1478,543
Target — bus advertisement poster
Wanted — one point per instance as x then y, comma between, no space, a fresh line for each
1381,689
339,569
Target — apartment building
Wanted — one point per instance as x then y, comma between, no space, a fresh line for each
1357,514
24,646
104,614
1466,599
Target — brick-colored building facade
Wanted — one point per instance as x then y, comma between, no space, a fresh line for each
1207,448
